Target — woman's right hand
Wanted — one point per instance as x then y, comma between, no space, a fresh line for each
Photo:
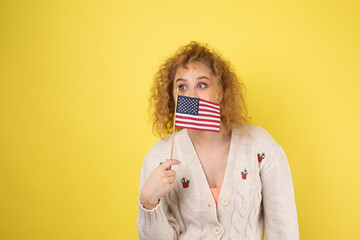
160,182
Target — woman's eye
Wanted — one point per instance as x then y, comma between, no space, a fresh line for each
182,87
201,85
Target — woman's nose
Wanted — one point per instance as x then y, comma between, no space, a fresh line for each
192,93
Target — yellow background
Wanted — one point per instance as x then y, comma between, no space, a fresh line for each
74,82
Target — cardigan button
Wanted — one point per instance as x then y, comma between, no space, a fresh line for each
217,230
225,201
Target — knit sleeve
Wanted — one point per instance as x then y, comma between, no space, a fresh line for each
280,215
159,222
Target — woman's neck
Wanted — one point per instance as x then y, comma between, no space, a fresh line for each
209,139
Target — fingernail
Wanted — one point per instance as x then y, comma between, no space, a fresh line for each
179,162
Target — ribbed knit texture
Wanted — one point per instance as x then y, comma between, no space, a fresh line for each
260,197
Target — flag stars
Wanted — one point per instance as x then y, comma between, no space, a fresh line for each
188,105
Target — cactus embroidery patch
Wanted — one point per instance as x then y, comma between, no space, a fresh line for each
244,174
185,182
261,156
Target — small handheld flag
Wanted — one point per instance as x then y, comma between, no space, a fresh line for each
196,113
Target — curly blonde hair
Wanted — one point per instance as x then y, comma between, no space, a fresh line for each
233,107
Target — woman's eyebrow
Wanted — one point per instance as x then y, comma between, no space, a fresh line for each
202,77
180,79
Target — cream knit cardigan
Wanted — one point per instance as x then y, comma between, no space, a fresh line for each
262,196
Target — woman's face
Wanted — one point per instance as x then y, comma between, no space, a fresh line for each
197,81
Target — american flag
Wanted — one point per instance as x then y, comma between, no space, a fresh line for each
195,113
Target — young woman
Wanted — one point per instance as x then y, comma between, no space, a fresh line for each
219,185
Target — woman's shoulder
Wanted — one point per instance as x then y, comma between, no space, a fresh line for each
259,143
256,135
162,148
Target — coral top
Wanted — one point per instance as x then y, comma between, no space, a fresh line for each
215,193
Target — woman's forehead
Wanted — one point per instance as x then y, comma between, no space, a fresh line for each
191,69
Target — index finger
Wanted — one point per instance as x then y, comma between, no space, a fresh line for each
168,163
